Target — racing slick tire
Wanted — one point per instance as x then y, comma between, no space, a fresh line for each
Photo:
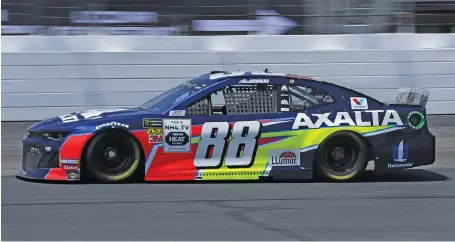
112,156
343,156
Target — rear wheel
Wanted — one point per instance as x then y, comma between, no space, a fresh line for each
342,156
112,156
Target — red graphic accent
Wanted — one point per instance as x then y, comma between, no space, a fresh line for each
268,140
196,130
73,146
56,174
172,166
287,154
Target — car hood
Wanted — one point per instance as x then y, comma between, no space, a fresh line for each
68,121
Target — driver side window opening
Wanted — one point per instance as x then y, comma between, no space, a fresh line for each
238,100
303,97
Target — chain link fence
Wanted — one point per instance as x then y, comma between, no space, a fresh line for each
225,17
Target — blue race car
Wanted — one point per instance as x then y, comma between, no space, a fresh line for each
235,126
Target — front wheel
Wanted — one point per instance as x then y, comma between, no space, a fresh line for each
342,156
112,156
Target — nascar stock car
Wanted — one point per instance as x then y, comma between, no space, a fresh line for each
235,126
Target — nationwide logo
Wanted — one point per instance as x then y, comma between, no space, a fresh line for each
400,155
359,103
400,152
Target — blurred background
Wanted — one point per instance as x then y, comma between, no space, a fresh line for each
125,49
225,17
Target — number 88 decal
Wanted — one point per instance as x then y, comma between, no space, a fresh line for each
212,147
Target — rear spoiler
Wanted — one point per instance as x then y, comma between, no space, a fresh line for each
412,96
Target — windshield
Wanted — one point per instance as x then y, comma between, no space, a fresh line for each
166,100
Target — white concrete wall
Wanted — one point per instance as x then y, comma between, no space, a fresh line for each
47,76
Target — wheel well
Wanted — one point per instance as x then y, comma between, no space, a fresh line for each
84,150
367,142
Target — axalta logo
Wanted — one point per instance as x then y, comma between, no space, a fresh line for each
112,124
359,103
304,121
254,81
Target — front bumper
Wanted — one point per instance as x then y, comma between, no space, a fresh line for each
41,160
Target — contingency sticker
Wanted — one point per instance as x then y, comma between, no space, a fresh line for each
177,135
284,157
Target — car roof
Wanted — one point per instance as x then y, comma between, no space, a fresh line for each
215,76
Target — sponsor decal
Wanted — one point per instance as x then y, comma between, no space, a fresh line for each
304,121
70,167
152,123
69,162
177,135
154,131
111,124
416,120
72,174
177,113
359,103
284,157
155,139
254,81
400,156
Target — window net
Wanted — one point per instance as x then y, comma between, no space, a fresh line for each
250,99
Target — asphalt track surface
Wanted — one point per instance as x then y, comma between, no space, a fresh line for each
417,204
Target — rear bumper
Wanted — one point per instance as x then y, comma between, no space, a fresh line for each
406,149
